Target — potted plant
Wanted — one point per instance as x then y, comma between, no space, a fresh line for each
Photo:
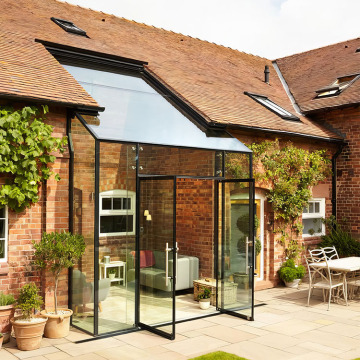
291,274
204,298
28,328
7,310
56,252
112,273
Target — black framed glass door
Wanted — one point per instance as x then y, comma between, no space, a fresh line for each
156,251
235,250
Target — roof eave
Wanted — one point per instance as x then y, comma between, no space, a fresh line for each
75,106
288,133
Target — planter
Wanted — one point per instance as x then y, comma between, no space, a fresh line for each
204,303
111,276
242,280
6,313
57,326
29,334
293,284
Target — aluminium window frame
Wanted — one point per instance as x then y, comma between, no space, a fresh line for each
270,105
6,238
320,215
123,193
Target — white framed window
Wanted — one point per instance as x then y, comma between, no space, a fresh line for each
117,213
312,218
3,233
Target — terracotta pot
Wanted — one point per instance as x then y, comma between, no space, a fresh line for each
6,313
28,335
204,303
57,326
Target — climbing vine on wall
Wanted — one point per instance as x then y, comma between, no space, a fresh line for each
26,147
289,173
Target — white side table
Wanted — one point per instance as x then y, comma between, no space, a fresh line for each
121,275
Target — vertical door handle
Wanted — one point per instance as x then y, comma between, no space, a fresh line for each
247,242
167,249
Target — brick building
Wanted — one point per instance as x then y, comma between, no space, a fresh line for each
77,61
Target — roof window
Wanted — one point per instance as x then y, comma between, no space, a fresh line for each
69,26
337,87
278,110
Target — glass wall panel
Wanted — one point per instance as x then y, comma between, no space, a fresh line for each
117,209
235,249
237,166
82,291
135,112
156,260
166,160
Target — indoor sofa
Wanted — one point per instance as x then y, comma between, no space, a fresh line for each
152,270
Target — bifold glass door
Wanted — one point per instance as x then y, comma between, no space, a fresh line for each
235,248
155,263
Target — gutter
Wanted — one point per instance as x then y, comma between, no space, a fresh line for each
334,179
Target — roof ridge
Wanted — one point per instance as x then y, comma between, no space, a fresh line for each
318,48
165,30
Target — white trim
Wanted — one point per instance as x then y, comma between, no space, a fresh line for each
5,259
319,215
113,194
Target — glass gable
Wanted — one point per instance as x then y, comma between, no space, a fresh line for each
135,112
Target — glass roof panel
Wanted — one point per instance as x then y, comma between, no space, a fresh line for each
135,112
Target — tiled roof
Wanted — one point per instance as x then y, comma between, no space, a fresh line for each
28,71
313,70
210,78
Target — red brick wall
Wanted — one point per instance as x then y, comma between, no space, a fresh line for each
49,214
346,122
273,250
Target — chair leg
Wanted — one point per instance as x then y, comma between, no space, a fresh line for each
329,300
309,293
100,306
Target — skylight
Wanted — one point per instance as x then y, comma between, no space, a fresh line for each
278,110
69,26
337,87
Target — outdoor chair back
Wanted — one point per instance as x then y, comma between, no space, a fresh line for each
330,253
320,277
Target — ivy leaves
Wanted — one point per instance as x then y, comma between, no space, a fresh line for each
290,172
26,145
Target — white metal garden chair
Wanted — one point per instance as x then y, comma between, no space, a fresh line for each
320,277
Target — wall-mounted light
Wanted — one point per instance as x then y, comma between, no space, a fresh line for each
147,215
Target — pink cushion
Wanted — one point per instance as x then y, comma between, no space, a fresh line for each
147,258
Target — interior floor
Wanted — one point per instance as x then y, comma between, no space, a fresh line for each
118,309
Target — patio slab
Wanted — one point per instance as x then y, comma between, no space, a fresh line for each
284,328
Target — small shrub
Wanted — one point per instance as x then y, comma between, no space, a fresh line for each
205,294
340,237
288,271
29,300
6,299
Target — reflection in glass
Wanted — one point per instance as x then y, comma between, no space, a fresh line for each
235,285
82,292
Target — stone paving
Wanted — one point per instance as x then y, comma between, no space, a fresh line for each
284,328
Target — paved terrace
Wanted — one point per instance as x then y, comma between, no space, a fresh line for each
284,329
